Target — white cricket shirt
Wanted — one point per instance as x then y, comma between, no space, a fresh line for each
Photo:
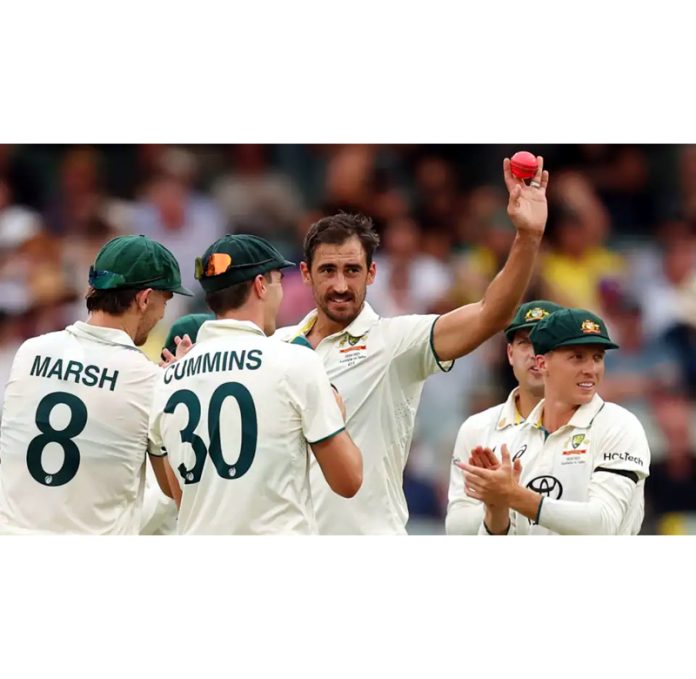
591,471
490,428
74,433
379,366
235,415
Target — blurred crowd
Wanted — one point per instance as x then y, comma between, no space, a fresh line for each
621,241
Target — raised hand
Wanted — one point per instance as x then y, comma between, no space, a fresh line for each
183,346
527,207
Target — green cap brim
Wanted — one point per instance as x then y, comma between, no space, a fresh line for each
589,340
181,290
512,329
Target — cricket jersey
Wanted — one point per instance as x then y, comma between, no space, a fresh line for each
235,416
490,428
379,366
74,433
590,472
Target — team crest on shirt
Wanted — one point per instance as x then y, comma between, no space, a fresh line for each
535,314
574,453
350,341
352,349
590,327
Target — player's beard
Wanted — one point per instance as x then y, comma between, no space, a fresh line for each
140,339
142,333
354,304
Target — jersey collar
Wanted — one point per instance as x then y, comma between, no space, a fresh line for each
360,325
99,333
224,326
582,418
509,415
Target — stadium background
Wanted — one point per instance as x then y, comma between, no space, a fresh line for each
621,240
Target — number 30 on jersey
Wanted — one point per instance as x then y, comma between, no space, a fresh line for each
247,410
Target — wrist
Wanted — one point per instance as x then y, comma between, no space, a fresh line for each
514,496
529,236
496,520
526,502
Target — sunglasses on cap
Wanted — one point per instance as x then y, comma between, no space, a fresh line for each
215,265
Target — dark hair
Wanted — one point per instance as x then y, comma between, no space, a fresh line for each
337,229
232,297
114,302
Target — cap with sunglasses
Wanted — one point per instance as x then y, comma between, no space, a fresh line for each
235,259
136,263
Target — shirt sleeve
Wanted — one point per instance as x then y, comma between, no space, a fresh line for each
155,444
623,450
314,398
412,340
464,514
609,500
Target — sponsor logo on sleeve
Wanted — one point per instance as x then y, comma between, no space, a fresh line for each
622,457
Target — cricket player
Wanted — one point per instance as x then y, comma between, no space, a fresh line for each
235,414
493,426
585,463
73,439
379,365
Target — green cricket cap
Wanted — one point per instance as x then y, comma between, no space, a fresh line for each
569,327
136,263
529,314
235,259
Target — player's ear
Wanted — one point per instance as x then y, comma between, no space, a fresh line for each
260,286
509,352
304,270
143,299
540,360
371,273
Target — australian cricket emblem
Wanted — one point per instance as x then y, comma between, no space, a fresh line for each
535,314
353,349
590,327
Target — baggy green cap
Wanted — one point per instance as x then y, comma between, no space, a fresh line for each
569,327
235,259
529,314
136,263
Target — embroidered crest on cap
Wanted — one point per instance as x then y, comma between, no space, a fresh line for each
535,314
590,327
